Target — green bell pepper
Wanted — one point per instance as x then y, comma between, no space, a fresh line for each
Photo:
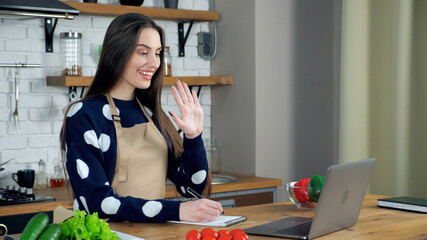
315,187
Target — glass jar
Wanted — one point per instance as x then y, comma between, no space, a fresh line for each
168,62
213,154
57,179
41,176
71,53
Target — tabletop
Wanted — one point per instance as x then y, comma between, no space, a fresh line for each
374,223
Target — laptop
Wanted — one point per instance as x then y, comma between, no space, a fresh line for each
338,207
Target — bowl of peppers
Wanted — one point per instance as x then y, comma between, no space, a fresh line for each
305,193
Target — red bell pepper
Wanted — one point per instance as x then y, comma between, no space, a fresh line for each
300,190
303,183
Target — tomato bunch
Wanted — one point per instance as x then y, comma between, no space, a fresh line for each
210,234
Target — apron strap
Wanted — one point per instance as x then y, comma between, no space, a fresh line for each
122,151
144,110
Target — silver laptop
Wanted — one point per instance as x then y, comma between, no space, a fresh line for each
338,207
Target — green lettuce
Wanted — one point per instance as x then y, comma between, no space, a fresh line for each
86,227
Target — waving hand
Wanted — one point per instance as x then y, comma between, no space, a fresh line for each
191,120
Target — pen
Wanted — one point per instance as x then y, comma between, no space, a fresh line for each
196,194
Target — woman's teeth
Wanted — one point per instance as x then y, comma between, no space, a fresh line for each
146,73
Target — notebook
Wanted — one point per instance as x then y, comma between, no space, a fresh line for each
124,236
404,203
220,221
338,207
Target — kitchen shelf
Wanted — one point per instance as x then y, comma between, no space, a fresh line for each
79,81
158,13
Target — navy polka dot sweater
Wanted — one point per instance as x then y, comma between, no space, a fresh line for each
91,148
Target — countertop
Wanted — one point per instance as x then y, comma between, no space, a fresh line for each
373,223
64,195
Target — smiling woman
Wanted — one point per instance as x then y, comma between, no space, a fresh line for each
118,155
141,66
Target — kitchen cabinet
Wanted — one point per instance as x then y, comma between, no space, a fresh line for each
245,186
246,191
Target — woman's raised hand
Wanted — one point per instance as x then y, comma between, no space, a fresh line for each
191,120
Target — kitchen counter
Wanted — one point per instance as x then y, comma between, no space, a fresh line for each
373,223
64,196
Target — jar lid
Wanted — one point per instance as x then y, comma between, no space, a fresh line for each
70,35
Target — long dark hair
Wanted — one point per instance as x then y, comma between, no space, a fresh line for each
119,44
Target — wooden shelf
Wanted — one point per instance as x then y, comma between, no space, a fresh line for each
78,81
158,13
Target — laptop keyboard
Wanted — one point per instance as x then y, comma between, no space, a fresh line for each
298,230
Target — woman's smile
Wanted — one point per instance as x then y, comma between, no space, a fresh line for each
146,74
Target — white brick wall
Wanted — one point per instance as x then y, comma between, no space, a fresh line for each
40,106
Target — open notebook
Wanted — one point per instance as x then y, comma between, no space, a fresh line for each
220,221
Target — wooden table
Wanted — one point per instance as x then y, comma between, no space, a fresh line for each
374,223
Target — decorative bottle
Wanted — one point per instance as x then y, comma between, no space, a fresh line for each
58,179
213,154
41,176
168,62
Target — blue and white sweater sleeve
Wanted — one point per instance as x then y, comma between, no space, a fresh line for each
193,169
91,158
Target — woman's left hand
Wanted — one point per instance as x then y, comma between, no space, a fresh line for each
191,121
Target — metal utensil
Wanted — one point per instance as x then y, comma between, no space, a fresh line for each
1,164
2,168
15,113
8,237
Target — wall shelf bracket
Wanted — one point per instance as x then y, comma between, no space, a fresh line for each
181,38
49,28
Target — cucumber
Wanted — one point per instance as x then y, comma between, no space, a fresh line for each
35,226
52,232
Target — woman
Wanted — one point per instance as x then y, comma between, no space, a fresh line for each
117,155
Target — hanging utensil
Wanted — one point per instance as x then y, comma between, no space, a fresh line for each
7,161
2,168
17,66
15,113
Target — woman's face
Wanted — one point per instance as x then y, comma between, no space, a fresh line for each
143,63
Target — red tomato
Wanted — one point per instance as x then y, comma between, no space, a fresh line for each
209,237
208,232
223,232
224,237
238,234
192,238
239,237
236,231
193,234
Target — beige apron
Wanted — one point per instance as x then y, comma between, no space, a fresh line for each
141,164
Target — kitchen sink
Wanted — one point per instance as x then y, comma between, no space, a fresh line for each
217,179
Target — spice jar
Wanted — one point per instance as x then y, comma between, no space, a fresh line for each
71,53
168,62
58,179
